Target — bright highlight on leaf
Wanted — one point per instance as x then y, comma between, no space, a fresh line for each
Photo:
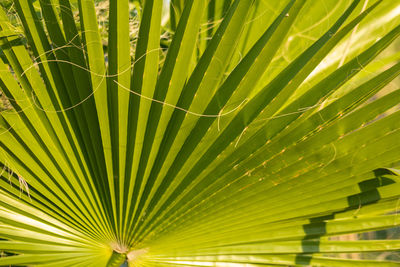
210,133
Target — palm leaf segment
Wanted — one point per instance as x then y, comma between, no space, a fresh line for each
236,144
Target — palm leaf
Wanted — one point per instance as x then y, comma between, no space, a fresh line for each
244,140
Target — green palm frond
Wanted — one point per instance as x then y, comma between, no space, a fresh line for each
218,133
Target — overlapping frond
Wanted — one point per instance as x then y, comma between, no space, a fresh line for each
244,140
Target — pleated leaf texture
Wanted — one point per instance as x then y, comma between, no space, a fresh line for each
215,133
